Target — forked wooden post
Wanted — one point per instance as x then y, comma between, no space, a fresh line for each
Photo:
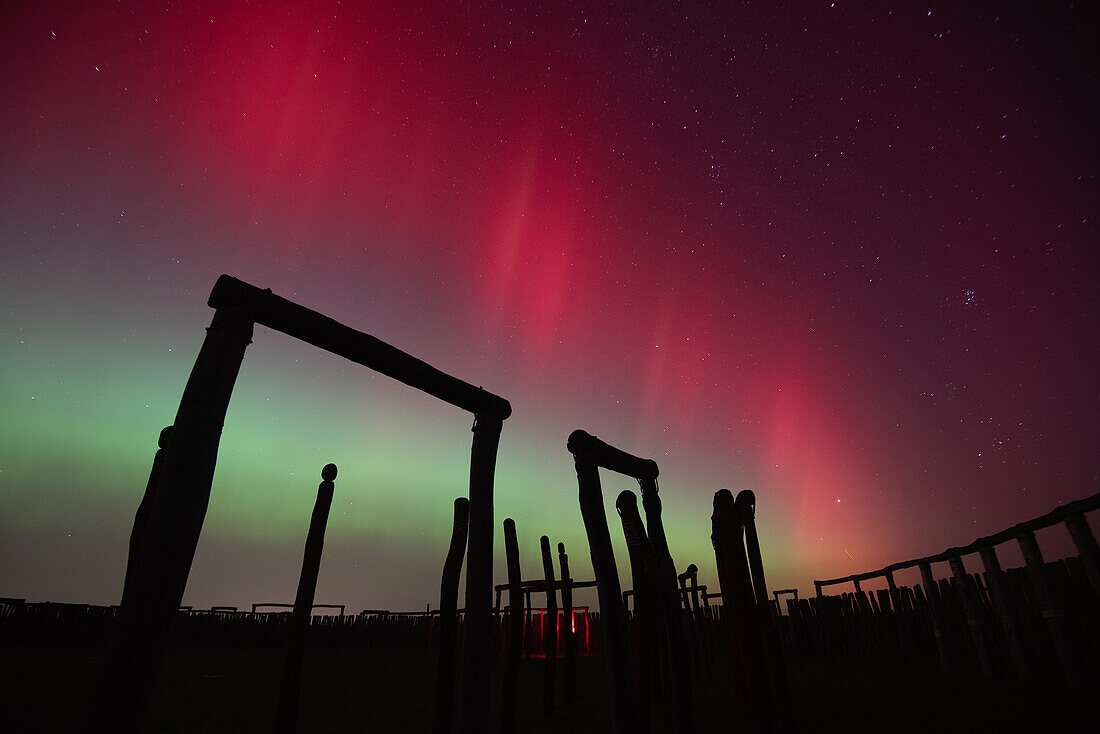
570,640
141,517
513,643
448,620
550,631
290,688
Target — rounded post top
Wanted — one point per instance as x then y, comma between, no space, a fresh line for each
165,437
329,472
723,498
746,502
462,503
561,547
509,524
626,501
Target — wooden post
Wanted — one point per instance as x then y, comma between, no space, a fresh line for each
1085,541
290,689
1053,615
646,632
664,570
514,633
817,589
570,641
448,620
477,660
612,613
1002,602
773,655
738,609
550,634
141,517
935,609
175,521
973,613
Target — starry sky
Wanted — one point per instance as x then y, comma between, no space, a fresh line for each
840,253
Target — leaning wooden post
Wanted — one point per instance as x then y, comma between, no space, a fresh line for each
168,547
513,646
1053,615
612,613
973,612
664,570
777,672
477,657
570,642
290,689
935,609
1002,602
448,619
1085,541
550,635
141,517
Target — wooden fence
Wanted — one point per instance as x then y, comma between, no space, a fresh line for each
1041,619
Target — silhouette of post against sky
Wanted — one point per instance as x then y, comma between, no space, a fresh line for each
183,492
290,688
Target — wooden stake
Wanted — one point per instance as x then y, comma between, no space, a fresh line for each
448,619
290,689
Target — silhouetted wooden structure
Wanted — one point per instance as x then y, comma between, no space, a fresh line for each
175,520
589,455
1020,622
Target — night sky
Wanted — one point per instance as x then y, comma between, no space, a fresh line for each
843,254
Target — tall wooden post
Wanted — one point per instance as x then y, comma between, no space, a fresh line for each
168,547
290,689
478,653
513,646
612,613
645,628
665,573
570,641
141,517
738,608
448,619
773,655
550,633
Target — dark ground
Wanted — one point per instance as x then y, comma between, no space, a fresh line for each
47,689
